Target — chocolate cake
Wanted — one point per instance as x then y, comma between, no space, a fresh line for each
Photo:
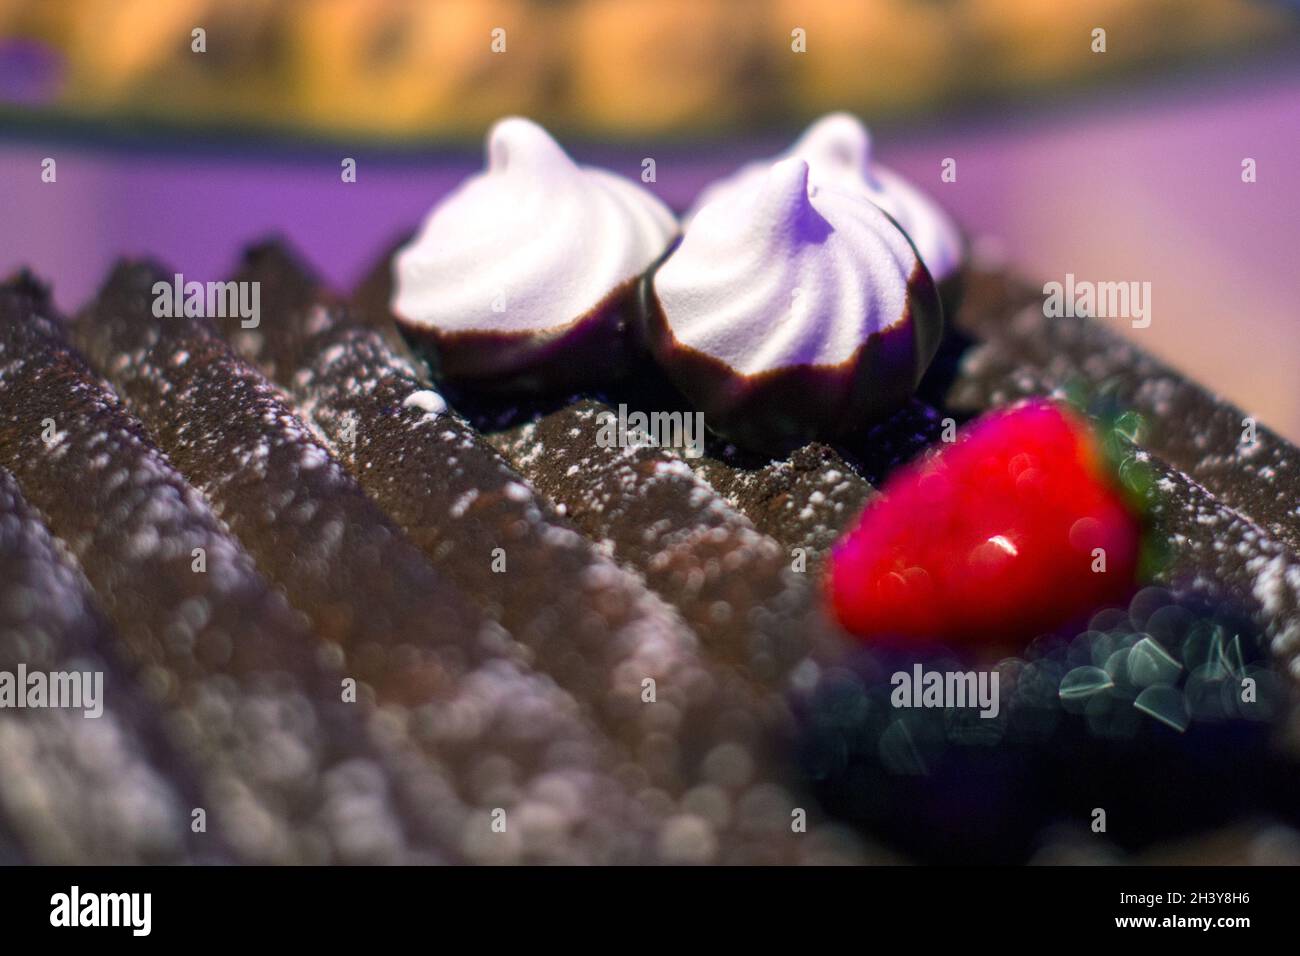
444,678
364,587
75,790
588,623
254,700
1219,560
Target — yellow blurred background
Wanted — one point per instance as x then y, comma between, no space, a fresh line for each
405,69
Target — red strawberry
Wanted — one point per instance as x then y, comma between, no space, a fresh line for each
990,540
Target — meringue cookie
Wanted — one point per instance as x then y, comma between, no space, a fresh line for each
837,148
792,311
526,264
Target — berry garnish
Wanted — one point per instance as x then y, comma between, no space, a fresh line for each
1013,530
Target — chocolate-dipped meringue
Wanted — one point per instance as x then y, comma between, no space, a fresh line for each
837,148
521,278
792,312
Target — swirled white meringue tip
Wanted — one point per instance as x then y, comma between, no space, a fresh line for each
838,150
783,201
783,274
532,242
836,141
515,144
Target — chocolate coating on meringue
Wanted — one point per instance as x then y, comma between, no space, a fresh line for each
521,278
792,312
